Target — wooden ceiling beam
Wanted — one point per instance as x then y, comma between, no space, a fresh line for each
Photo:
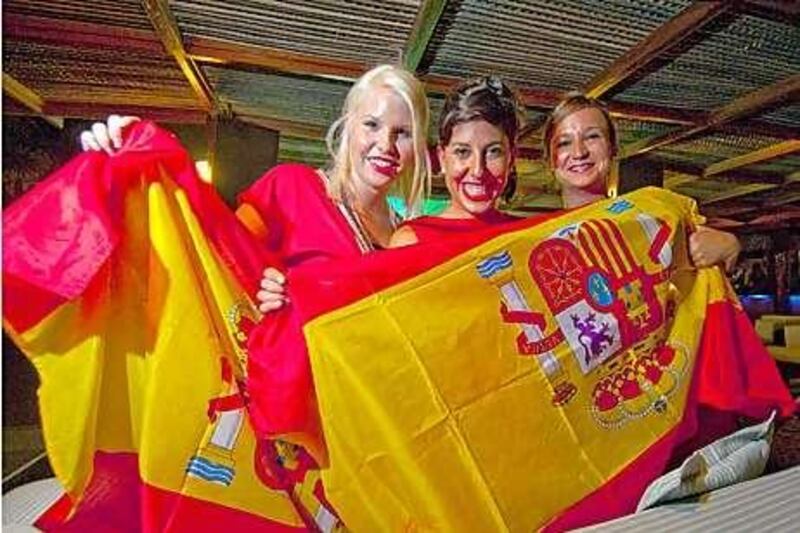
731,176
205,50
756,156
101,110
78,34
738,192
214,51
745,105
430,11
28,98
665,37
167,30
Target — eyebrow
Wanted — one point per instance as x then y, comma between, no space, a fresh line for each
567,135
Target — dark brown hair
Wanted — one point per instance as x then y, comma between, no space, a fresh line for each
572,103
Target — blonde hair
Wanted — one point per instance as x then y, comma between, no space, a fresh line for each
413,189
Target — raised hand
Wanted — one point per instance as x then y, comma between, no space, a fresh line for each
106,136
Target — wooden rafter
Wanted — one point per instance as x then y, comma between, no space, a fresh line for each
420,36
756,156
214,51
78,34
742,106
28,98
100,110
167,30
743,190
207,50
665,37
730,176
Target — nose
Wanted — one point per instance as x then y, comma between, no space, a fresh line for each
478,166
387,141
578,149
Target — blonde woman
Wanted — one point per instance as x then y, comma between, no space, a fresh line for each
378,145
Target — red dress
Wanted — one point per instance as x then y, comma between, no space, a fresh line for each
303,224
303,227
433,228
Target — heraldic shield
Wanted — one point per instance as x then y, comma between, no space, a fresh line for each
608,308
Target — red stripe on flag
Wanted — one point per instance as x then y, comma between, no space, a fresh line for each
118,500
587,249
605,227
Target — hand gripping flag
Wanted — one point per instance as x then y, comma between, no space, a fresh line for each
539,379
125,281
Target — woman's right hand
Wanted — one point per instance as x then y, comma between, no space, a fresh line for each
106,136
272,295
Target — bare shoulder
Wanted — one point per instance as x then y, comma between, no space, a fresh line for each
403,236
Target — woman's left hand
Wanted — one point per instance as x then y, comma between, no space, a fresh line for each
709,247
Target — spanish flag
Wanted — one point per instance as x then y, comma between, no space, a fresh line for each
537,378
126,282
534,376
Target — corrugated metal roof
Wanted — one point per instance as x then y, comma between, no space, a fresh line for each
298,99
748,54
124,13
555,45
367,32
92,74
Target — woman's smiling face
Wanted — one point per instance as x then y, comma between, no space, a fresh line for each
582,151
381,142
476,163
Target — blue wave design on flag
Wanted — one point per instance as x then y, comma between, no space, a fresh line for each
494,264
210,471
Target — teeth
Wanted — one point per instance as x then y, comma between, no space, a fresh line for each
474,190
581,168
381,163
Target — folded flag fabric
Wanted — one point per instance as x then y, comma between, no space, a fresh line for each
126,282
540,379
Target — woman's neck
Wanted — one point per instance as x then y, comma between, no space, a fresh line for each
374,213
572,198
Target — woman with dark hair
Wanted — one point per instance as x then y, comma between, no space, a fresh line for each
477,136
580,143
